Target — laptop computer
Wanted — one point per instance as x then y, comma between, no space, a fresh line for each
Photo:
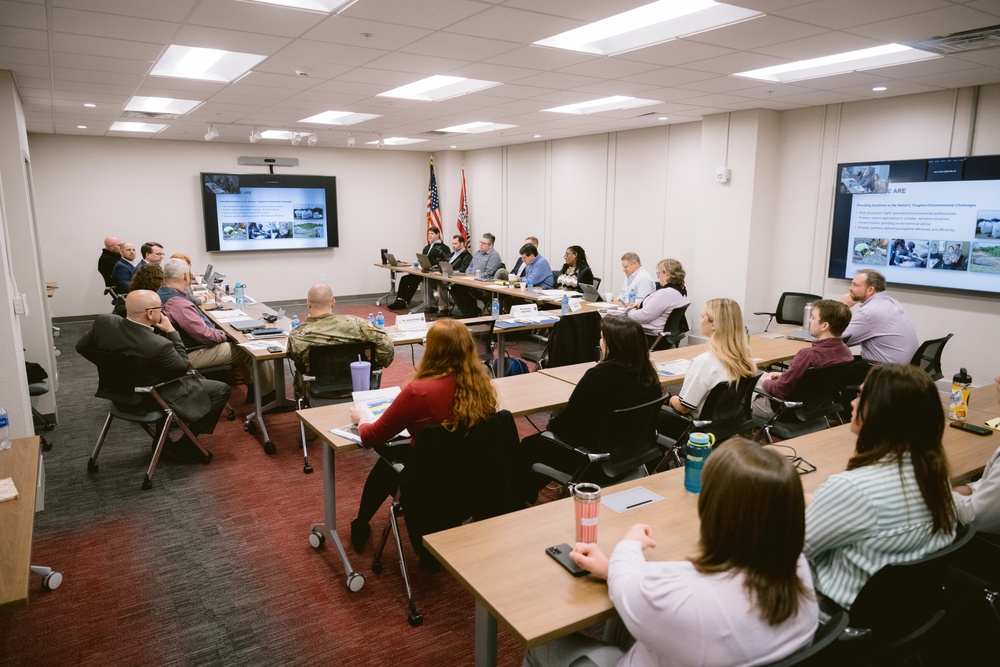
246,325
589,293
207,275
425,264
446,268
801,334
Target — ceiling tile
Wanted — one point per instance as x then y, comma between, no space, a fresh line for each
254,17
352,32
513,25
429,14
21,15
111,26
103,46
954,18
174,10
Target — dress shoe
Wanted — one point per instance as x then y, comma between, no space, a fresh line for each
185,451
360,532
398,304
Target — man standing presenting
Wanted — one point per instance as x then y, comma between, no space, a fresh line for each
459,260
206,346
148,336
638,282
109,257
487,262
536,267
435,251
152,253
323,327
880,325
122,273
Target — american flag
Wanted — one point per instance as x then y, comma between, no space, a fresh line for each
433,203
463,214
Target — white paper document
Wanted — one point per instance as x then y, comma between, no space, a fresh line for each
623,501
678,367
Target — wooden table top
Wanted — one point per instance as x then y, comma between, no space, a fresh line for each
501,560
17,520
253,310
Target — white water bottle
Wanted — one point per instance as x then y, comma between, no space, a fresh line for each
496,308
565,304
4,430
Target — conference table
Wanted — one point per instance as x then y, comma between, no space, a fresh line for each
501,561
17,521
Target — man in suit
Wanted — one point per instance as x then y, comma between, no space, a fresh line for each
435,251
148,336
108,259
152,253
121,275
460,259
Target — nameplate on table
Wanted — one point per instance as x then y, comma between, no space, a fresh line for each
630,499
521,311
575,305
415,322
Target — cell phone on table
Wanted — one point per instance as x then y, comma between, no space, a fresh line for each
972,428
560,553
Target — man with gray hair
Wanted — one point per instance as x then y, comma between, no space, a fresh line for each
206,346
638,283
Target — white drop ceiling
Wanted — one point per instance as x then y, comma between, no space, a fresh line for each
65,53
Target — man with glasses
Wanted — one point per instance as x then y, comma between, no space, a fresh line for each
148,336
485,263
152,253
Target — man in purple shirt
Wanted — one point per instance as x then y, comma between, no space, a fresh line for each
880,325
206,345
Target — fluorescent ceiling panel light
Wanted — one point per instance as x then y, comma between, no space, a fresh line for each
128,126
396,141
161,105
276,134
839,63
339,118
438,87
191,62
321,6
89,105
604,104
650,24
476,128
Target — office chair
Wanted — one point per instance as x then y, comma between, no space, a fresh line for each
134,403
789,308
450,478
572,340
624,446
815,396
117,300
928,356
327,380
727,412
674,330
826,634
38,385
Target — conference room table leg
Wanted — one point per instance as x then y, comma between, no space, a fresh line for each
389,296
427,296
501,352
486,637
319,532
280,402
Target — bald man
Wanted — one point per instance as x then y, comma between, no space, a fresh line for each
323,327
109,257
121,275
149,338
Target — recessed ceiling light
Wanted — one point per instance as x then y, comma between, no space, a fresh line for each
453,146
321,6
127,126
339,118
839,63
161,105
438,87
89,105
395,141
650,24
81,127
190,62
663,118
476,128
536,136
879,89
604,104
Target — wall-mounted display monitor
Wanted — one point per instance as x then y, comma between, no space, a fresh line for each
932,222
268,212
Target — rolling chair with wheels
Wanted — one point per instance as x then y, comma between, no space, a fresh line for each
928,356
573,340
789,308
482,336
815,396
38,385
674,330
135,403
826,634
327,380
450,478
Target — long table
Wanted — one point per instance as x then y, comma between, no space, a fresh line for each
17,521
536,601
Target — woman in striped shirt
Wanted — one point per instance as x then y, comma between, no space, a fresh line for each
893,504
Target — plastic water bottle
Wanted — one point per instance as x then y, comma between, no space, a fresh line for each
529,283
295,321
371,319
747,329
241,298
4,430
699,446
631,297
496,308
380,320
565,304
958,405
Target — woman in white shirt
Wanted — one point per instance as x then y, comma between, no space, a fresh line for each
746,599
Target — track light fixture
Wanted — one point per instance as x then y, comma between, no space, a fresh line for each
296,138
212,133
351,140
313,139
254,136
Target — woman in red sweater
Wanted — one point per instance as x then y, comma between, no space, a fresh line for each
451,388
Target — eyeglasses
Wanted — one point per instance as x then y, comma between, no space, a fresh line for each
155,308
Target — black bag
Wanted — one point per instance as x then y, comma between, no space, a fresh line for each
35,372
512,366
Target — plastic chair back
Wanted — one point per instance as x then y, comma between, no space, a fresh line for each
791,305
928,356
331,366
674,330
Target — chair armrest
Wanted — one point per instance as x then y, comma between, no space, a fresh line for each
558,476
765,313
791,405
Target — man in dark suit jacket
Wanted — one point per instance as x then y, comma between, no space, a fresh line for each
435,250
148,336
109,257
459,259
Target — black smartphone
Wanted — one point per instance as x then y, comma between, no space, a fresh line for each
972,428
560,553
274,349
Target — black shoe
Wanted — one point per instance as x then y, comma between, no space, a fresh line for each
398,304
185,451
360,532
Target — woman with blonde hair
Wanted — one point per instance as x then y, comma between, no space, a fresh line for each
654,309
451,388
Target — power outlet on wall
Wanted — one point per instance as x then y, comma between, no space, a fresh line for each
322,277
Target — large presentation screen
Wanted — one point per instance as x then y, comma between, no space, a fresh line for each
933,222
268,212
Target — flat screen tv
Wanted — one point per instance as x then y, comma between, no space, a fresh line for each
931,222
268,212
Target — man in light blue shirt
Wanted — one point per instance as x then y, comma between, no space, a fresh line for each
536,267
487,262
638,282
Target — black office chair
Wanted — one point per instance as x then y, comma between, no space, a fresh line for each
826,634
789,308
573,340
727,412
899,606
815,397
928,356
450,478
482,336
134,403
622,449
597,283
327,380
674,330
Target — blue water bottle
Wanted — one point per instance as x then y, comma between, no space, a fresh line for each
295,321
699,446
380,320
631,297
496,308
241,297
565,304
4,430
371,319
529,283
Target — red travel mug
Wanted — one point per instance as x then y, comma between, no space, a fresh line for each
586,503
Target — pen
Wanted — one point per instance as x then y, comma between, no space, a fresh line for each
648,500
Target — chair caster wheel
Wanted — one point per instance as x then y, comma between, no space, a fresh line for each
307,468
147,483
46,445
355,582
231,417
52,581
250,427
269,448
415,618
376,566
92,466
317,539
